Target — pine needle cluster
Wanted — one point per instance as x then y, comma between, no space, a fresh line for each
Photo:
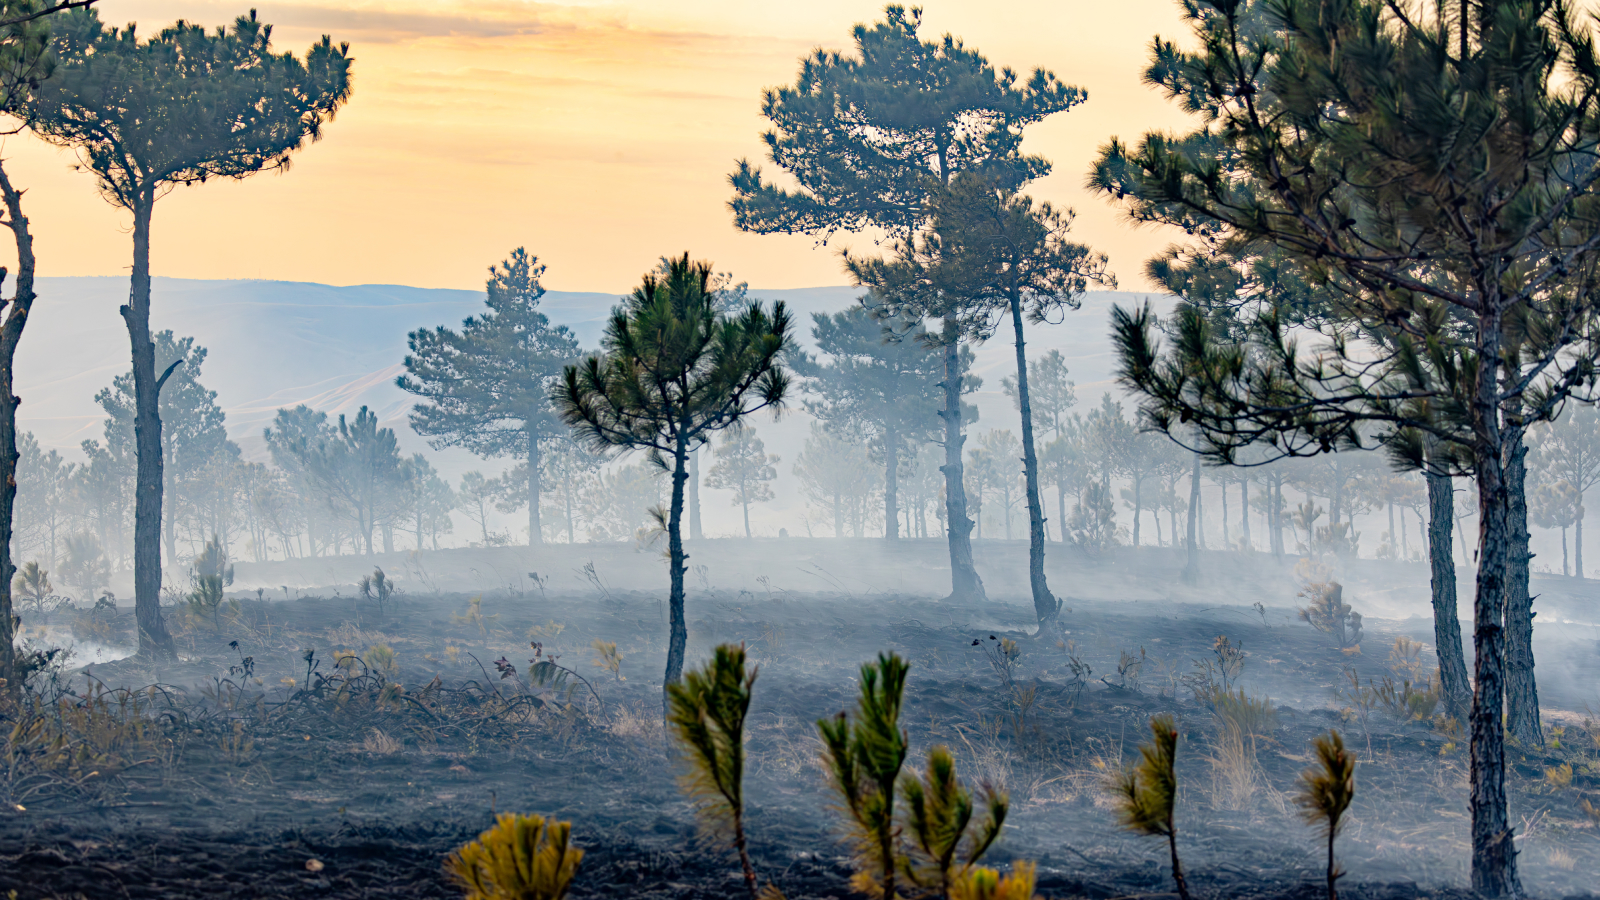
706,712
1326,790
945,841
520,858
987,884
864,759
1148,792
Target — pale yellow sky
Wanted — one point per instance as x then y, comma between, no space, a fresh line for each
597,134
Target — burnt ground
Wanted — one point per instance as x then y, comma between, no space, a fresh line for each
227,781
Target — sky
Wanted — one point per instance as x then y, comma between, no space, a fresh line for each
597,134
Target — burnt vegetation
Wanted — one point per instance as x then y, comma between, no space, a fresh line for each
944,689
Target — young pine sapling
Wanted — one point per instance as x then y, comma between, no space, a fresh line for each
1326,790
938,815
863,762
1149,792
987,884
520,858
706,712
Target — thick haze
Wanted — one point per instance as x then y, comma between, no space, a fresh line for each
599,135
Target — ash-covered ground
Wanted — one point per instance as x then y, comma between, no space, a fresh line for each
248,770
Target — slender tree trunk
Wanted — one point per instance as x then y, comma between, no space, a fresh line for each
1138,510
1522,688
964,581
1061,509
1577,542
694,496
1244,512
838,512
1494,856
1191,569
154,641
746,505
567,495
1227,542
10,334
535,526
1565,570
678,635
1045,604
1454,686
891,485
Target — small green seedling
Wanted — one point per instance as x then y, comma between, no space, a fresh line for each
1148,792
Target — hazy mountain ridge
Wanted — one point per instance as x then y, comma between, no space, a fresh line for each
279,343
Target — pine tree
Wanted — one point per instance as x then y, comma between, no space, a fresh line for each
673,372
186,106
745,467
487,387
866,158
881,382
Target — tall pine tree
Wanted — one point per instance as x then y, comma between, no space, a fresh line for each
487,387
870,137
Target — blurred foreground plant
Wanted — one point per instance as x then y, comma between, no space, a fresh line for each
863,762
939,812
706,712
1326,790
520,858
987,884
1149,791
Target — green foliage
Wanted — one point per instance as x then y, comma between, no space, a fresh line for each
863,758
706,712
1326,790
1148,792
380,659
674,369
520,858
987,884
945,841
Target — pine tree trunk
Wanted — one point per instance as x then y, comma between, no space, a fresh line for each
1191,569
1061,509
891,486
1577,542
678,635
535,526
10,335
1453,683
1494,856
1227,542
154,641
1138,510
1244,513
694,496
1044,602
1565,569
965,585
1522,688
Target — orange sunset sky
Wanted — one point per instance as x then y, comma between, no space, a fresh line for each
597,134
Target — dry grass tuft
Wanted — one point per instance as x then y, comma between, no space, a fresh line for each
640,720
380,743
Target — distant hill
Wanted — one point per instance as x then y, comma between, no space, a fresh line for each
277,343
